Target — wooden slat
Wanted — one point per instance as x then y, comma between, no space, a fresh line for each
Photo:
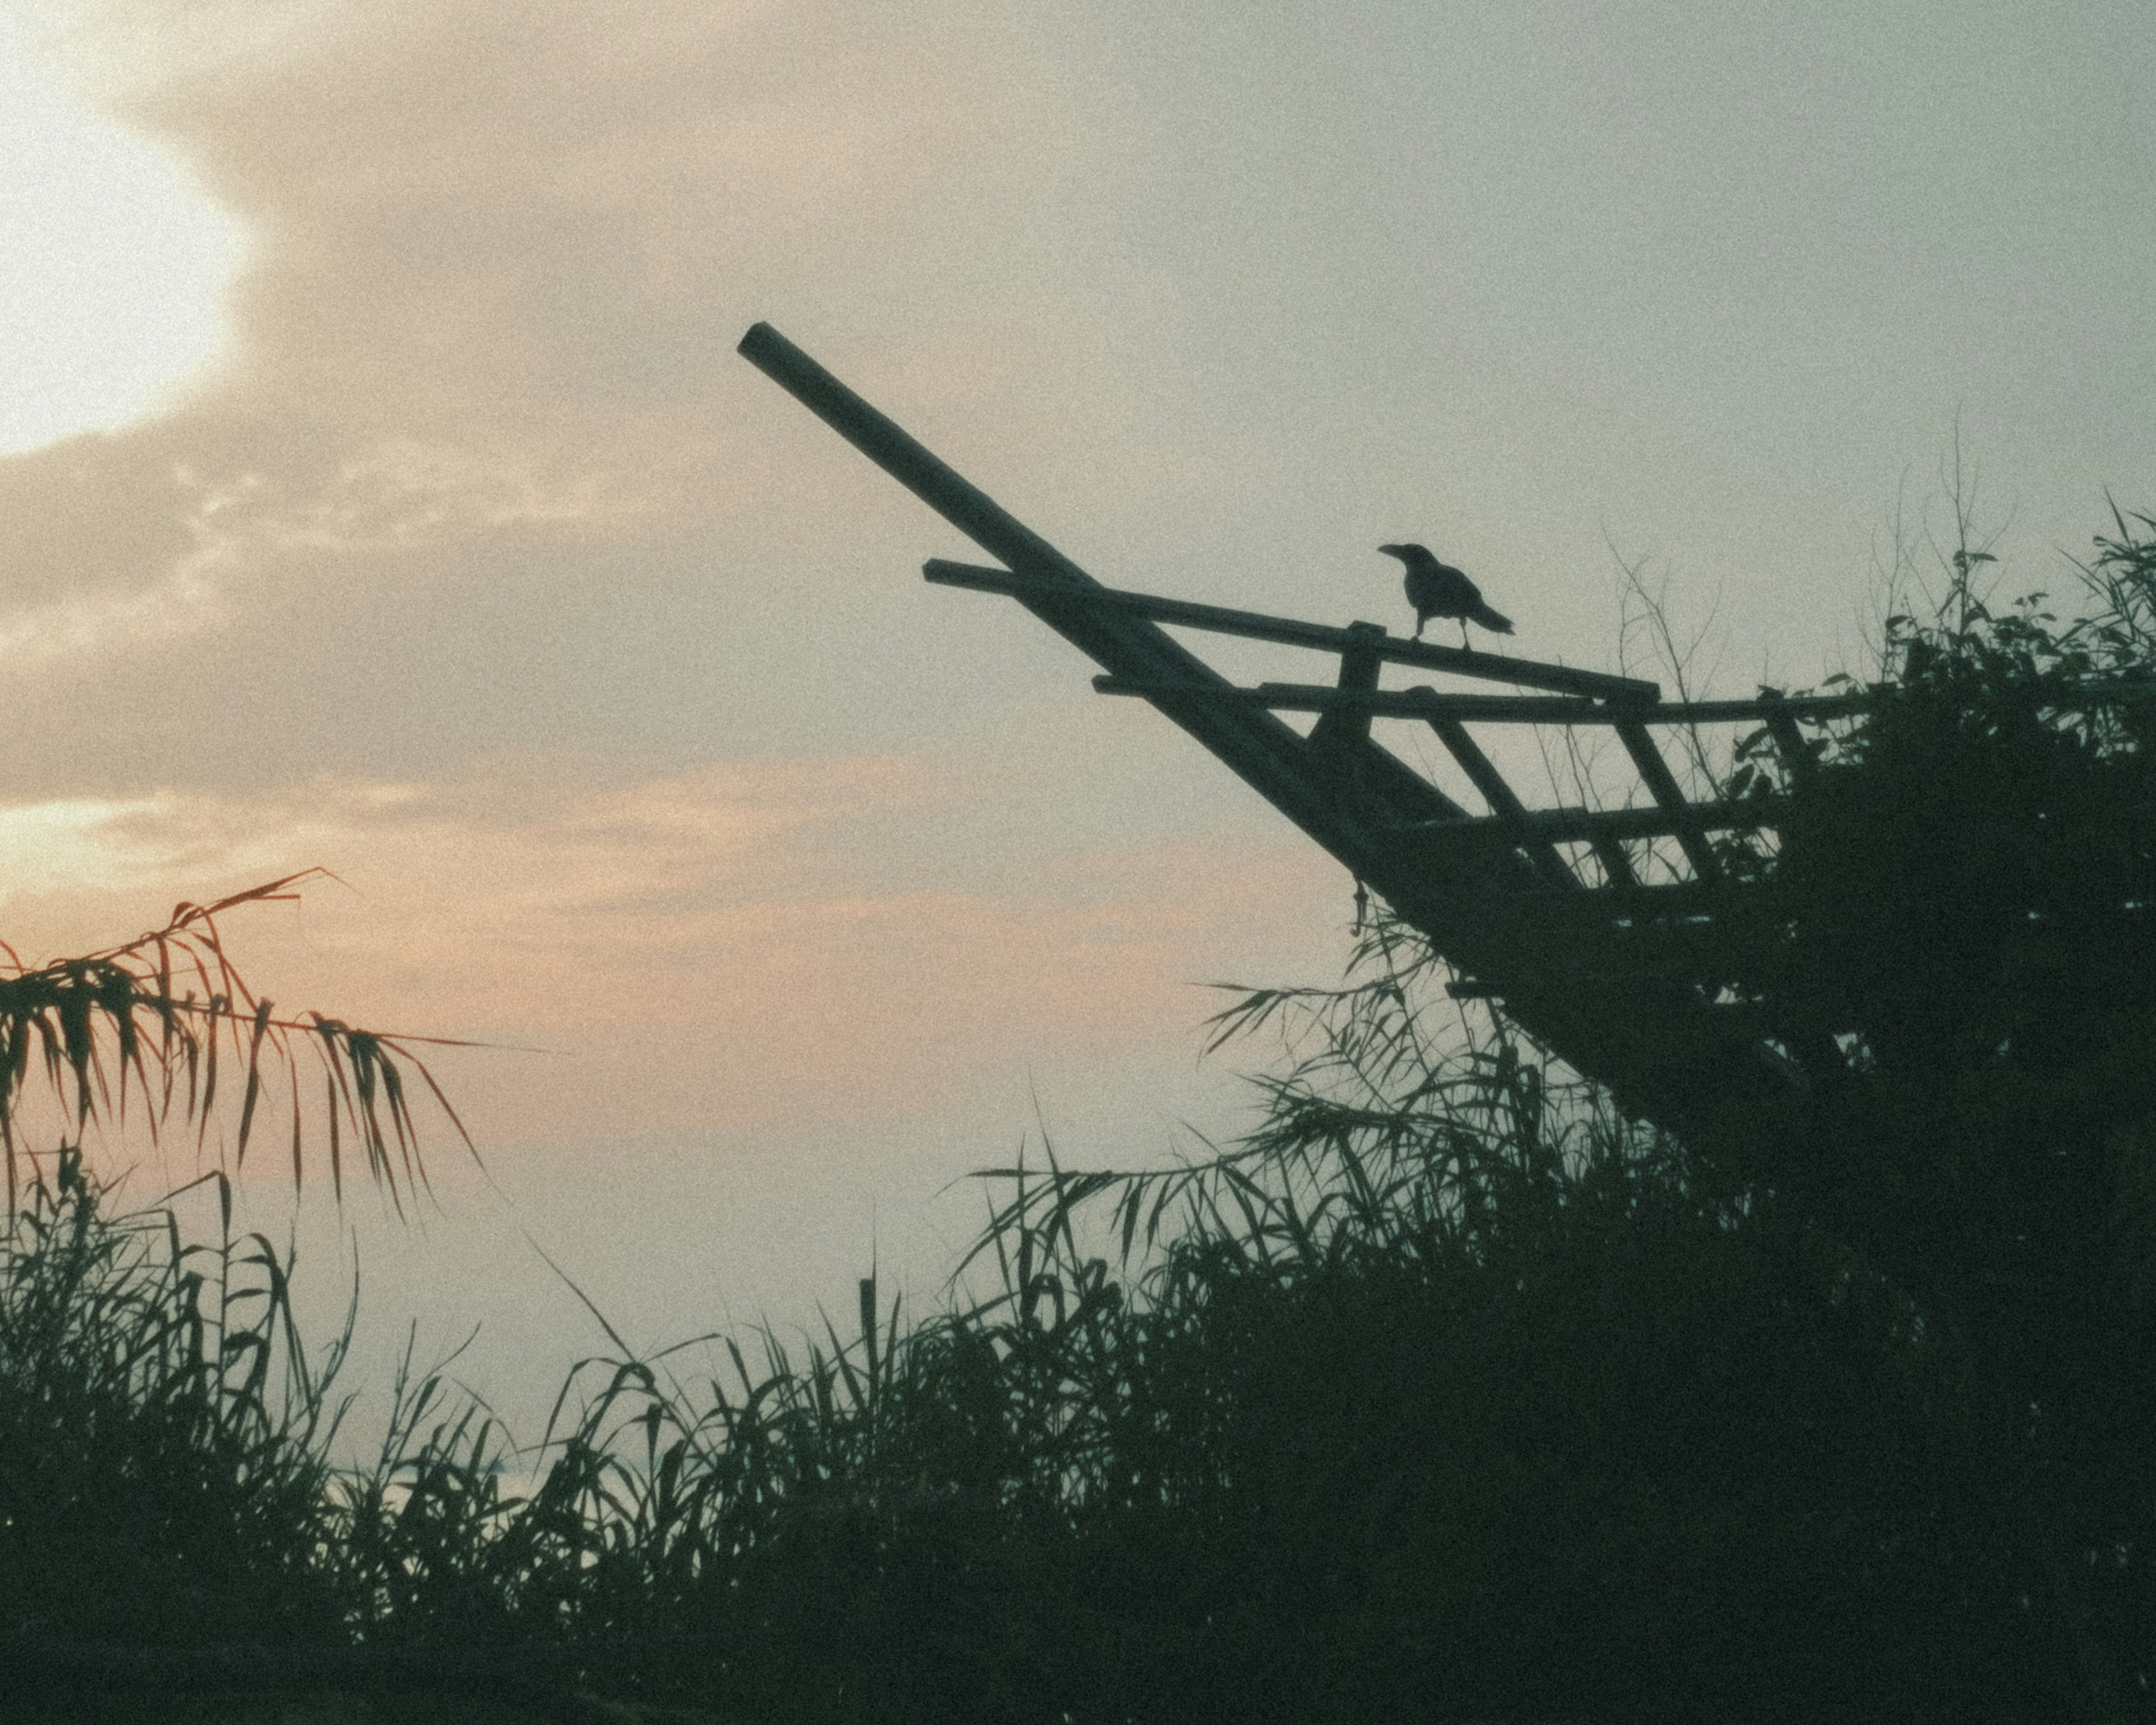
1258,749
1701,1029
1663,900
1655,773
1508,812
1527,673
1616,866
1789,742
1555,826
1423,702
1342,733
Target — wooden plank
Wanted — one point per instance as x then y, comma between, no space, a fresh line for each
1342,733
1507,810
1700,1031
1617,867
1655,773
1555,826
1421,701
1258,749
1527,673
1665,901
1789,742
942,487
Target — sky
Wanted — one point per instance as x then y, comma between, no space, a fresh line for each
380,492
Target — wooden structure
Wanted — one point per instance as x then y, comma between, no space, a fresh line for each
1606,933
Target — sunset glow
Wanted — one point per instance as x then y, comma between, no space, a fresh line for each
113,264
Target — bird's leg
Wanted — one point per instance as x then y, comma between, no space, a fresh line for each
1420,622
1466,645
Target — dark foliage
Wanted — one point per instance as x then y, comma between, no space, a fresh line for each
1966,901
1449,1393
157,1486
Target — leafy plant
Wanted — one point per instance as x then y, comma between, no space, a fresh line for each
167,1018
160,1430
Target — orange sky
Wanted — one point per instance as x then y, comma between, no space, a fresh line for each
459,555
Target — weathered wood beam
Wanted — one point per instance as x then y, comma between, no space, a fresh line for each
1421,701
1527,673
1342,732
1264,752
1781,722
1507,810
1665,902
1616,866
1662,786
1555,826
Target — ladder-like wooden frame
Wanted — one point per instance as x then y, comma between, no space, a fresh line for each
1621,968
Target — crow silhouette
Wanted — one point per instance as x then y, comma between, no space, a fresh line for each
1437,589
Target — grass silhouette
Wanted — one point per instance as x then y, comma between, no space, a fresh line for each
1449,1393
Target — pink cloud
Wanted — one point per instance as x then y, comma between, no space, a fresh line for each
708,949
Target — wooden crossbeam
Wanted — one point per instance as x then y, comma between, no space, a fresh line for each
1663,902
1789,743
1557,826
1265,754
1507,811
1662,786
1617,868
1423,702
1526,673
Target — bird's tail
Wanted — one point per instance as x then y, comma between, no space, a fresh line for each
1496,622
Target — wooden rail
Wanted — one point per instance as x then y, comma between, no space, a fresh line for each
1526,673
1421,701
1555,826
1258,749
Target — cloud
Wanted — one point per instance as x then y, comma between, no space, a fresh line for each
500,259
697,949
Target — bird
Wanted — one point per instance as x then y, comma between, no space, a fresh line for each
1437,589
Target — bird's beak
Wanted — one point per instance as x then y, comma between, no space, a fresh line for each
1393,551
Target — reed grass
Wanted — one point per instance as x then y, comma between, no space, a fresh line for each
160,1430
163,1020
1449,1393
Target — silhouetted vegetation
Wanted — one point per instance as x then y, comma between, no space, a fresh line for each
164,1018
1970,888
1449,1393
